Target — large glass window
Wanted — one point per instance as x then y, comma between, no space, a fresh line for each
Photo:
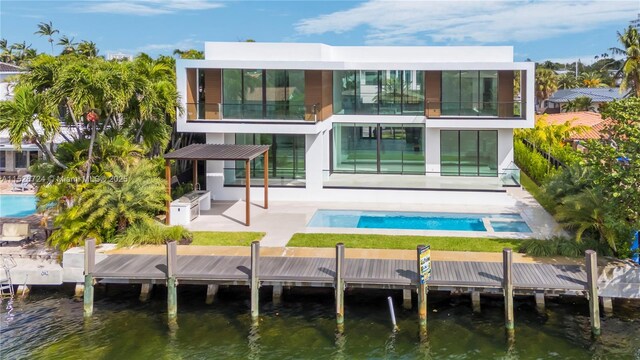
21,159
469,93
263,94
378,148
469,152
286,156
365,92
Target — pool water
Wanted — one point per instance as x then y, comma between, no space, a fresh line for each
17,205
406,220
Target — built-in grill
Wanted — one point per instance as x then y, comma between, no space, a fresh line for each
193,200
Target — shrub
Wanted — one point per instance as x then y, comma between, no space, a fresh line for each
535,247
152,233
532,163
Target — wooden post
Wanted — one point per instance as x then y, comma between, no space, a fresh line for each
255,281
79,290
422,295
145,292
276,295
406,298
195,174
247,190
167,175
607,305
475,301
507,285
89,266
592,290
266,179
339,286
172,293
212,289
540,306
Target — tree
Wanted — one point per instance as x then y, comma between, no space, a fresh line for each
580,103
567,81
630,41
546,84
68,46
189,54
586,211
591,79
47,30
87,48
615,161
24,114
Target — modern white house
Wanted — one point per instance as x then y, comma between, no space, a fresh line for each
369,123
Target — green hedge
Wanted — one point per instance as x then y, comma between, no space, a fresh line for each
532,163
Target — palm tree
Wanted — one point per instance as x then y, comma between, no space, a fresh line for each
68,46
580,103
189,54
546,84
630,40
567,81
585,211
88,49
591,79
20,116
45,29
6,55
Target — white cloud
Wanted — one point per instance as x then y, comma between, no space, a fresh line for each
413,22
166,48
145,7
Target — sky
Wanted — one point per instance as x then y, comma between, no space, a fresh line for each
557,30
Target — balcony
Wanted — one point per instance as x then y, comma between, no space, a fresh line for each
288,112
472,109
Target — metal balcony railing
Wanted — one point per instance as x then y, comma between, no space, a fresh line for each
476,109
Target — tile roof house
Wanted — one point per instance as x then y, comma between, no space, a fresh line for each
597,95
592,121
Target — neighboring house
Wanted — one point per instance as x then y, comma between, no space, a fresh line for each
598,96
342,119
11,160
592,122
6,86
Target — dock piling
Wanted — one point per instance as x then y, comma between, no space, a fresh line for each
172,284
475,301
277,294
212,290
422,295
406,298
339,285
607,305
145,292
592,289
507,284
255,281
540,306
89,265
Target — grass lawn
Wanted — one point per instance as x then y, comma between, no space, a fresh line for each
537,193
366,241
223,238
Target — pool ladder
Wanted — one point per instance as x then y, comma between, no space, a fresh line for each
6,286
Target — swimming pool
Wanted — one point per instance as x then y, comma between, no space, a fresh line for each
17,205
413,220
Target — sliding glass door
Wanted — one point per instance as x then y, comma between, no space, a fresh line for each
378,148
469,153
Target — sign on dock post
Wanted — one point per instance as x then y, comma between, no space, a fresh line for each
424,272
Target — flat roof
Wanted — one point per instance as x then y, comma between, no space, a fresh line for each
218,152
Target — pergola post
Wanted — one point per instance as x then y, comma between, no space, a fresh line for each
195,174
266,179
247,171
167,174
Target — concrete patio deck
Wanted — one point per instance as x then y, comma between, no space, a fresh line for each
283,219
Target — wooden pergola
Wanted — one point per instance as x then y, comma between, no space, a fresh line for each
221,152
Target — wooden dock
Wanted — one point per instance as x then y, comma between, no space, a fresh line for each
475,278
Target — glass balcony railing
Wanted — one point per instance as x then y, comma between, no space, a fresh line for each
476,109
211,111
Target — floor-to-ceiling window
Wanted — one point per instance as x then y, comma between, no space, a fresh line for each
263,94
378,148
286,156
469,152
372,92
469,93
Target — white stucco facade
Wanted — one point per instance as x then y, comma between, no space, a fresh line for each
320,182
